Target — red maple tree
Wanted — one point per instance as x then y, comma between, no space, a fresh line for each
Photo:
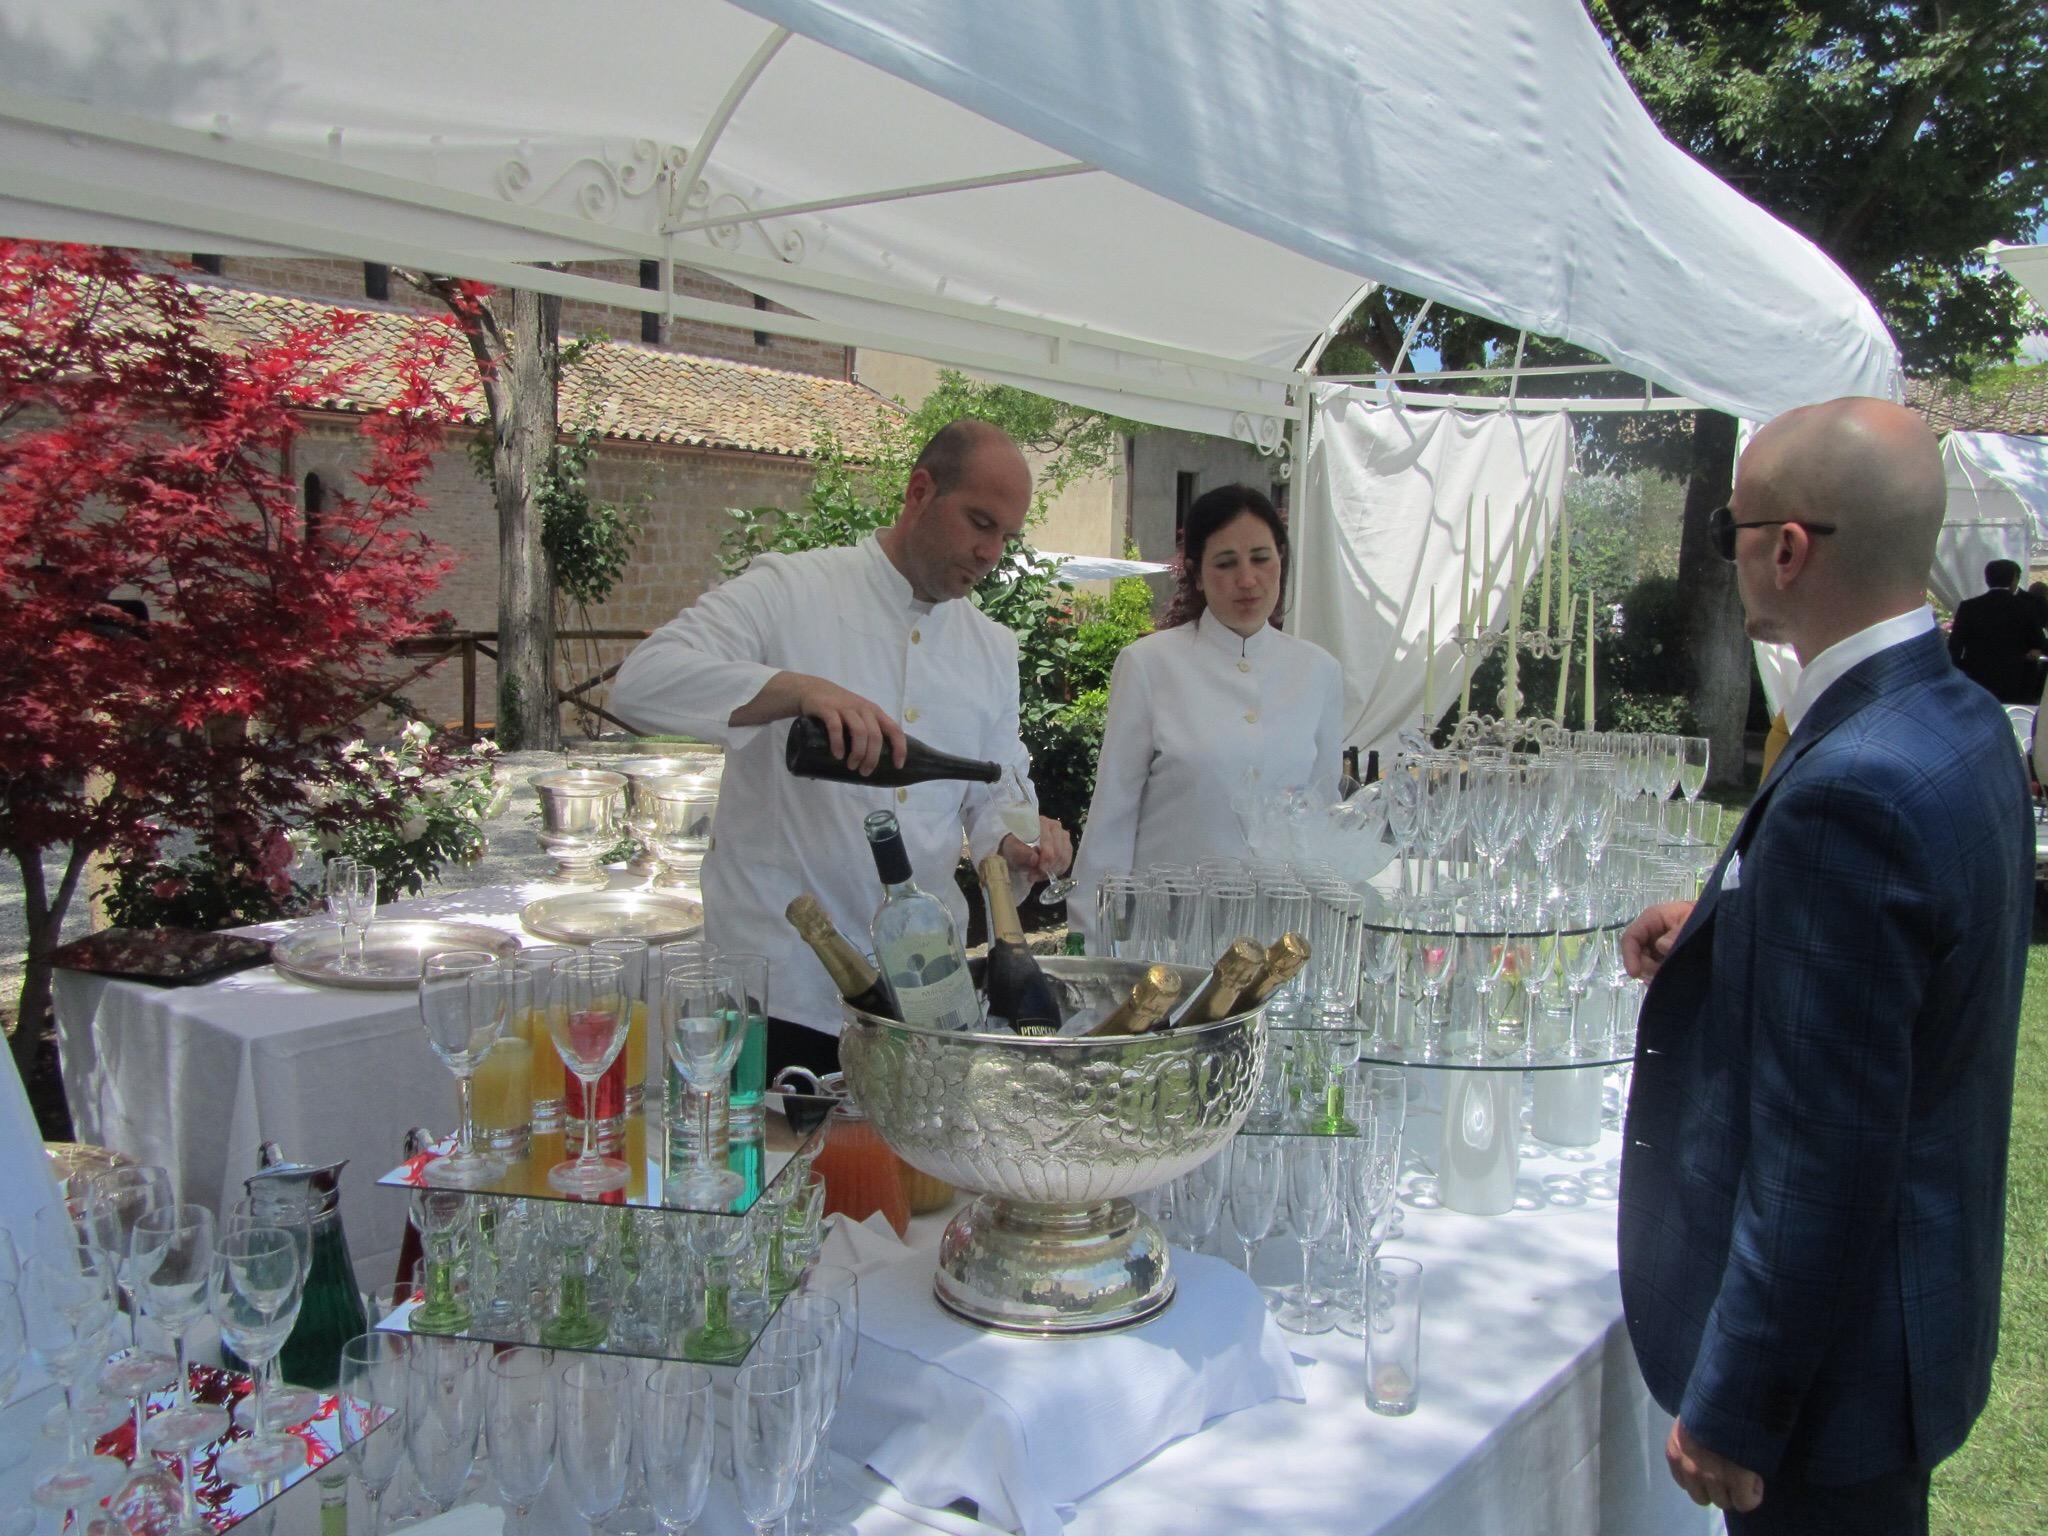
142,462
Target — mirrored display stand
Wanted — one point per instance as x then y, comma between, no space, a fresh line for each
638,1271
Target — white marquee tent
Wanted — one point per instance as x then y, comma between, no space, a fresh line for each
1163,207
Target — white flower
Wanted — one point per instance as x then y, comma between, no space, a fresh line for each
414,829
416,732
355,749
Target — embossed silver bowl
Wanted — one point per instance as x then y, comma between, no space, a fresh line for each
1054,1135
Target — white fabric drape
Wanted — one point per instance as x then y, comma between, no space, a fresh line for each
1383,522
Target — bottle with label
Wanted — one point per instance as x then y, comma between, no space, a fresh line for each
859,983
916,943
808,754
1017,987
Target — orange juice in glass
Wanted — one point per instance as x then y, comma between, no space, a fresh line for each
501,1109
539,960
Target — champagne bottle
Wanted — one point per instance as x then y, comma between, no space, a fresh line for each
917,947
808,754
1151,999
1285,958
858,981
1018,989
1217,997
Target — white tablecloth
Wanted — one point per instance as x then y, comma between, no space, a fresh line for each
198,1078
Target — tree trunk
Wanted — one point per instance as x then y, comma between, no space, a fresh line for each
1719,651
34,1044
522,443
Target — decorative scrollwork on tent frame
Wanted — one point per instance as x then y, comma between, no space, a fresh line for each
788,244
1268,434
600,184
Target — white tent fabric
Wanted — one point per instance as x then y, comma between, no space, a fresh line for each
2026,265
1102,567
1997,508
1156,207
1384,523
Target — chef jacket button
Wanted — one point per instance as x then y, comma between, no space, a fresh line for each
1244,666
1251,717
915,637
902,795
910,717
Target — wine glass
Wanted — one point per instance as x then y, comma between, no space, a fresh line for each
130,1191
678,1428
255,1298
444,1415
704,1023
370,1409
767,1436
519,1425
1018,808
67,1303
589,1024
594,1435
338,890
439,1216
279,1206
172,1251
463,1014
1256,1175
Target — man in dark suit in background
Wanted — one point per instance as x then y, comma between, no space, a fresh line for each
1997,639
1813,1181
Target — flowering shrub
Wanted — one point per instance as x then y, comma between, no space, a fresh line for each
200,891
408,808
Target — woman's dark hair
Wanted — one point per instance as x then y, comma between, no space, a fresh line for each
1210,511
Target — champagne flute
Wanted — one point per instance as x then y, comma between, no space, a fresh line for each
520,1425
704,1023
1692,778
1019,812
1255,1181
589,1024
1312,1198
594,1436
255,1298
443,1416
463,1015
842,1285
338,889
371,1397
677,1430
362,904
820,1317
767,1435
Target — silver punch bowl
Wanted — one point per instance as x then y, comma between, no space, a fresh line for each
1054,1135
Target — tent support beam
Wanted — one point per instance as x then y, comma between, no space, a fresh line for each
887,195
714,130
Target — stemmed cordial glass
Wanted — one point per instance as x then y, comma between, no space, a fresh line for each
370,1407
519,1425
255,1298
717,1241
67,1303
704,1024
440,1217
1692,778
172,1250
589,1024
463,1013
577,1239
767,1442
594,1435
1312,1200
1256,1176
678,1428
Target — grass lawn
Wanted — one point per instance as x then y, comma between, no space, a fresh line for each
1996,1482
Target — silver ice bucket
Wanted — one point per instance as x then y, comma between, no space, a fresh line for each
1054,1135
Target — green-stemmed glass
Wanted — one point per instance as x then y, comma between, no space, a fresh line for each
576,1233
440,1216
716,1240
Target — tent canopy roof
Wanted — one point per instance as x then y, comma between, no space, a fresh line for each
1157,207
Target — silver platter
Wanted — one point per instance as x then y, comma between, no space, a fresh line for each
391,952
582,916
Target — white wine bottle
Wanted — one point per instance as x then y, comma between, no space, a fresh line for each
1152,998
1017,987
1218,997
917,946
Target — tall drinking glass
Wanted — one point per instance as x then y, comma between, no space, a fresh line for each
370,1407
519,1425
538,962
678,1429
594,1435
768,1434
704,1024
463,1012
628,1076
589,1023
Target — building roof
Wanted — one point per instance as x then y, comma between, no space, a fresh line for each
2018,405
629,392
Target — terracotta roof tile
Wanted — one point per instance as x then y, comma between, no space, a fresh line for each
2020,407
629,392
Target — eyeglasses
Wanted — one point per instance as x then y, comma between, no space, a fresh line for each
1721,526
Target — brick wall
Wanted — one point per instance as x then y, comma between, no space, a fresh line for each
685,493
341,282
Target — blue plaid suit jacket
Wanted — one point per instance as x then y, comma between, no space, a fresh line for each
1813,1187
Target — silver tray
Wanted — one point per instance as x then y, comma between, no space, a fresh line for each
581,916
391,952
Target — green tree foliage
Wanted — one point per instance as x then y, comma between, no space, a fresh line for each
1066,644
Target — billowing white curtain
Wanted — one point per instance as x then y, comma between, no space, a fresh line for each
1383,523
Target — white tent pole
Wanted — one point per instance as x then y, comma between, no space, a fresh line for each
714,129
1408,337
1314,354
1515,373
887,195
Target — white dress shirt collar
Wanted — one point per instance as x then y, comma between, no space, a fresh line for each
1834,663
1214,632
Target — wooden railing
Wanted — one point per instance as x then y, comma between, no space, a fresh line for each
432,650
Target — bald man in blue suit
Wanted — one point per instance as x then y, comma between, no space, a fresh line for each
1813,1180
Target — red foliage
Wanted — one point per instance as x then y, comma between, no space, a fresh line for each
140,460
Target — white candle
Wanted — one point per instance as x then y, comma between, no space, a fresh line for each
1429,662
1564,579
1589,660
1465,576
1512,706
1564,664
1486,572
1543,603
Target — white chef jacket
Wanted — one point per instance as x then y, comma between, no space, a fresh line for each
945,671
1191,710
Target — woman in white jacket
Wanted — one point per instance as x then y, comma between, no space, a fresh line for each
1216,693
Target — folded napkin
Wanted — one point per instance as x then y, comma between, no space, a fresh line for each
1022,1426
